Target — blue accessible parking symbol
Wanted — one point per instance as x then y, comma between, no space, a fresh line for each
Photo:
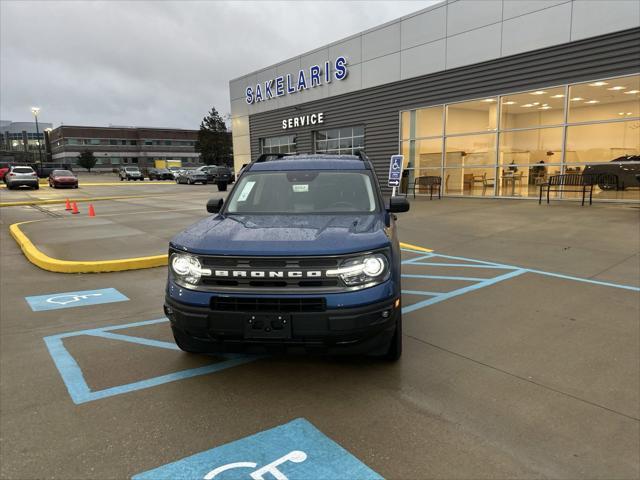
55,301
296,450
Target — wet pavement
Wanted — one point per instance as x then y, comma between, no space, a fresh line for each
521,356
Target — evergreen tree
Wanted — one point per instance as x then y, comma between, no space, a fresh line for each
214,141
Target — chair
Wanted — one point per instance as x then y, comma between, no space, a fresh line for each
430,182
487,182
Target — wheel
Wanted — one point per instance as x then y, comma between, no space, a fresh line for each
188,344
75,186
222,186
395,346
121,179
37,187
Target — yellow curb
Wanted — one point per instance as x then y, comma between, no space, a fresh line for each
46,262
415,247
63,200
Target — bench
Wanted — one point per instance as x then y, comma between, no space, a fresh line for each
576,182
430,182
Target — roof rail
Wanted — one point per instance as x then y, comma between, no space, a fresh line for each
265,157
361,155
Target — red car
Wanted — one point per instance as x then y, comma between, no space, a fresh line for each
62,178
3,171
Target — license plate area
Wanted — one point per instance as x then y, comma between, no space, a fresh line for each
267,326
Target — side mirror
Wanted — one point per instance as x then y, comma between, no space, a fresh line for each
398,204
215,205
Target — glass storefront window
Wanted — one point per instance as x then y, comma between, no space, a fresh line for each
536,108
616,98
525,147
475,116
603,142
346,140
429,122
470,150
538,138
282,144
405,125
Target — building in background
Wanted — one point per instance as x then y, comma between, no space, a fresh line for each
20,140
492,96
117,146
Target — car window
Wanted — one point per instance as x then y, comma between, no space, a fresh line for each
23,169
304,192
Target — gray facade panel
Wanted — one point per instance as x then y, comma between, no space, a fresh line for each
378,108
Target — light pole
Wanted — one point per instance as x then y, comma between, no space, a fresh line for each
35,111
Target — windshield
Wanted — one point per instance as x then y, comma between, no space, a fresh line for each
62,172
131,169
303,192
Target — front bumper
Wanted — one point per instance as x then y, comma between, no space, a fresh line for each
353,330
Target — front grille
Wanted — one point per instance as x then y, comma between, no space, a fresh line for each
283,265
268,305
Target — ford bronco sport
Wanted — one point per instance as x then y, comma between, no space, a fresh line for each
302,256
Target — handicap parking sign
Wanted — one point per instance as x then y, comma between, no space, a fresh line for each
395,170
296,450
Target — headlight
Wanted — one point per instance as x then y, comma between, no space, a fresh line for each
187,268
366,270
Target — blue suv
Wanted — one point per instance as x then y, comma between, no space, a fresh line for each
302,256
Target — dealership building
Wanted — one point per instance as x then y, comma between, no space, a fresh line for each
492,96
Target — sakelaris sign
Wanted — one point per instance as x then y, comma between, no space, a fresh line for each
306,79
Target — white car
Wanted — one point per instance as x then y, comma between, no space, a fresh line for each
21,175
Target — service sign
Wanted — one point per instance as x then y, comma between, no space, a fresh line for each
395,170
303,120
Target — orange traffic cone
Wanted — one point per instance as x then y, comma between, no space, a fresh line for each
75,208
67,205
92,212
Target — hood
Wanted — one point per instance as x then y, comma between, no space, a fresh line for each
284,235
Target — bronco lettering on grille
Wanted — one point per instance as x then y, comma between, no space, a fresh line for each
268,274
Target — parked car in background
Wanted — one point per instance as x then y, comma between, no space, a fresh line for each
63,178
626,173
192,176
130,173
159,174
4,168
215,172
44,169
21,175
224,174
210,170
174,171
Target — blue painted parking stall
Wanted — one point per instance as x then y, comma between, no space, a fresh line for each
450,284
295,450
77,386
57,301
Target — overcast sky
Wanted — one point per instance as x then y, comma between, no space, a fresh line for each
159,63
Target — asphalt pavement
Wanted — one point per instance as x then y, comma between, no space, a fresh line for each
521,355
